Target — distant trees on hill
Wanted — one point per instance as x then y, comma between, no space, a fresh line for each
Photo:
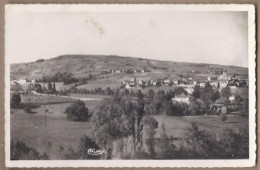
66,78
40,61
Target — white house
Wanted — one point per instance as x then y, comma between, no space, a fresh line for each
175,81
232,98
202,84
182,98
189,90
22,81
167,82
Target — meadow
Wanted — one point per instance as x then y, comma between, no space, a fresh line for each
61,133
102,85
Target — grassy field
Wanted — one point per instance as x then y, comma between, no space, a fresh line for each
45,99
92,96
175,126
156,89
30,128
102,85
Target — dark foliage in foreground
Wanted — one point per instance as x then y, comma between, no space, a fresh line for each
20,151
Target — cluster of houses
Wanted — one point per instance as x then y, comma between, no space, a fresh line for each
126,70
219,82
188,83
139,83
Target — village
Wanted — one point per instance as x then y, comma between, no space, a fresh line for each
223,80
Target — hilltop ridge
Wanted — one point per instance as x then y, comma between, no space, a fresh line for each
99,65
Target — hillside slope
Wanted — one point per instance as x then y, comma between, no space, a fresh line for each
83,65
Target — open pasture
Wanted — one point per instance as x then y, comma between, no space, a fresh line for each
156,89
30,128
176,126
102,85
45,99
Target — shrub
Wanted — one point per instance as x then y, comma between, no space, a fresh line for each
234,144
77,111
223,117
15,100
228,145
20,151
27,109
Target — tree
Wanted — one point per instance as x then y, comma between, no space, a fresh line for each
54,88
225,92
150,94
149,124
201,143
15,100
179,91
77,111
165,148
215,96
196,92
206,95
139,94
223,117
27,109
49,87
169,95
117,118
161,95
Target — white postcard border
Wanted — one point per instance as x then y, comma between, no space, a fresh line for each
141,163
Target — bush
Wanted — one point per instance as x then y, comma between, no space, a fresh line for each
228,145
223,117
27,109
15,100
77,111
20,151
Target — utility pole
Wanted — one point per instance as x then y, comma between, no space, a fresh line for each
45,121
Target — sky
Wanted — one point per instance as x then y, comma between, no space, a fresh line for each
183,36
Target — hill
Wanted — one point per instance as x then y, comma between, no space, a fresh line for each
100,65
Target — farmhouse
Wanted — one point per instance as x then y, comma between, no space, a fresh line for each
189,90
140,82
22,81
231,98
175,81
167,82
202,84
181,98
214,84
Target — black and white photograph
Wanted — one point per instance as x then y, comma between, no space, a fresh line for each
130,85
